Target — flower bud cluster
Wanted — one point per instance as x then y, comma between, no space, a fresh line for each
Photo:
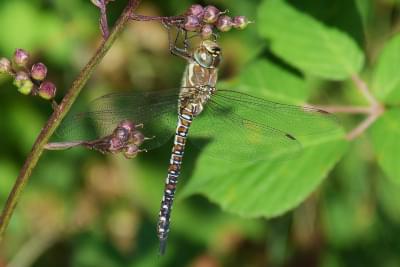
125,138
206,19
30,80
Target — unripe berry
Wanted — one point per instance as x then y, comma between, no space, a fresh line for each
197,11
47,90
240,22
5,65
192,23
39,71
21,57
224,23
127,125
23,82
211,14
131,151
138,138
115,145
206,31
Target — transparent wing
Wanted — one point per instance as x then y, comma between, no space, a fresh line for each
156,110
239,126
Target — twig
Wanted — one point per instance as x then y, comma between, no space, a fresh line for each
374,110
363,88
34,248
103,19
63,145
58,114
172,21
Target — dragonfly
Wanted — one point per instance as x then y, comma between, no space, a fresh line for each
227,124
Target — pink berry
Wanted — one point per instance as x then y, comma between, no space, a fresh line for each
192,23
240,22
47,90
224,23
197,11
211,14
39,71
128,125
21,57
116,144
206,31
138,138
5,65
131,151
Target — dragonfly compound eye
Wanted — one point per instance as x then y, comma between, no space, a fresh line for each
208,55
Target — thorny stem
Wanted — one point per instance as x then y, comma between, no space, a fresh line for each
58,114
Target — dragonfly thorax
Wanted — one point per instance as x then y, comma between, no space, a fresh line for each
200,78
194,98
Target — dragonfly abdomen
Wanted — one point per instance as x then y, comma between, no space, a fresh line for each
184,121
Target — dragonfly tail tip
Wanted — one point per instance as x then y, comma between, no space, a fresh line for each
163,246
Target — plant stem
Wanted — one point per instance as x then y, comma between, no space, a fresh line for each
373,110
58,114
363,88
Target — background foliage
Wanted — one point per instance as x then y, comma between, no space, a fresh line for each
335,204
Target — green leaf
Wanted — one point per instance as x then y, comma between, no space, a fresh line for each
265,188
386,78
9,171
21,17
389,197
385,138
308,44
269,80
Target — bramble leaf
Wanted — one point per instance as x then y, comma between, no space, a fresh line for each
265,188
308,44
386,78
273,82
385,138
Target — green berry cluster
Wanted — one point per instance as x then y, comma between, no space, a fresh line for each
30,80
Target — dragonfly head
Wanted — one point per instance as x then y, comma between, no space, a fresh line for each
208,54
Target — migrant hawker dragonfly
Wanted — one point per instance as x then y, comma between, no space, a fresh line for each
236,125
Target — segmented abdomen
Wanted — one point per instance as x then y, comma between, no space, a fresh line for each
184,121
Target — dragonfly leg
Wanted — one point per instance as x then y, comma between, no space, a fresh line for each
173,48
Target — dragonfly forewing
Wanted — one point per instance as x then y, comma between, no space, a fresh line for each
236,127
155,110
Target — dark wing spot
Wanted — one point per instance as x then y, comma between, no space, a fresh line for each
322,111
290,136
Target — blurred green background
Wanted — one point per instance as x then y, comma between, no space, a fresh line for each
338,204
